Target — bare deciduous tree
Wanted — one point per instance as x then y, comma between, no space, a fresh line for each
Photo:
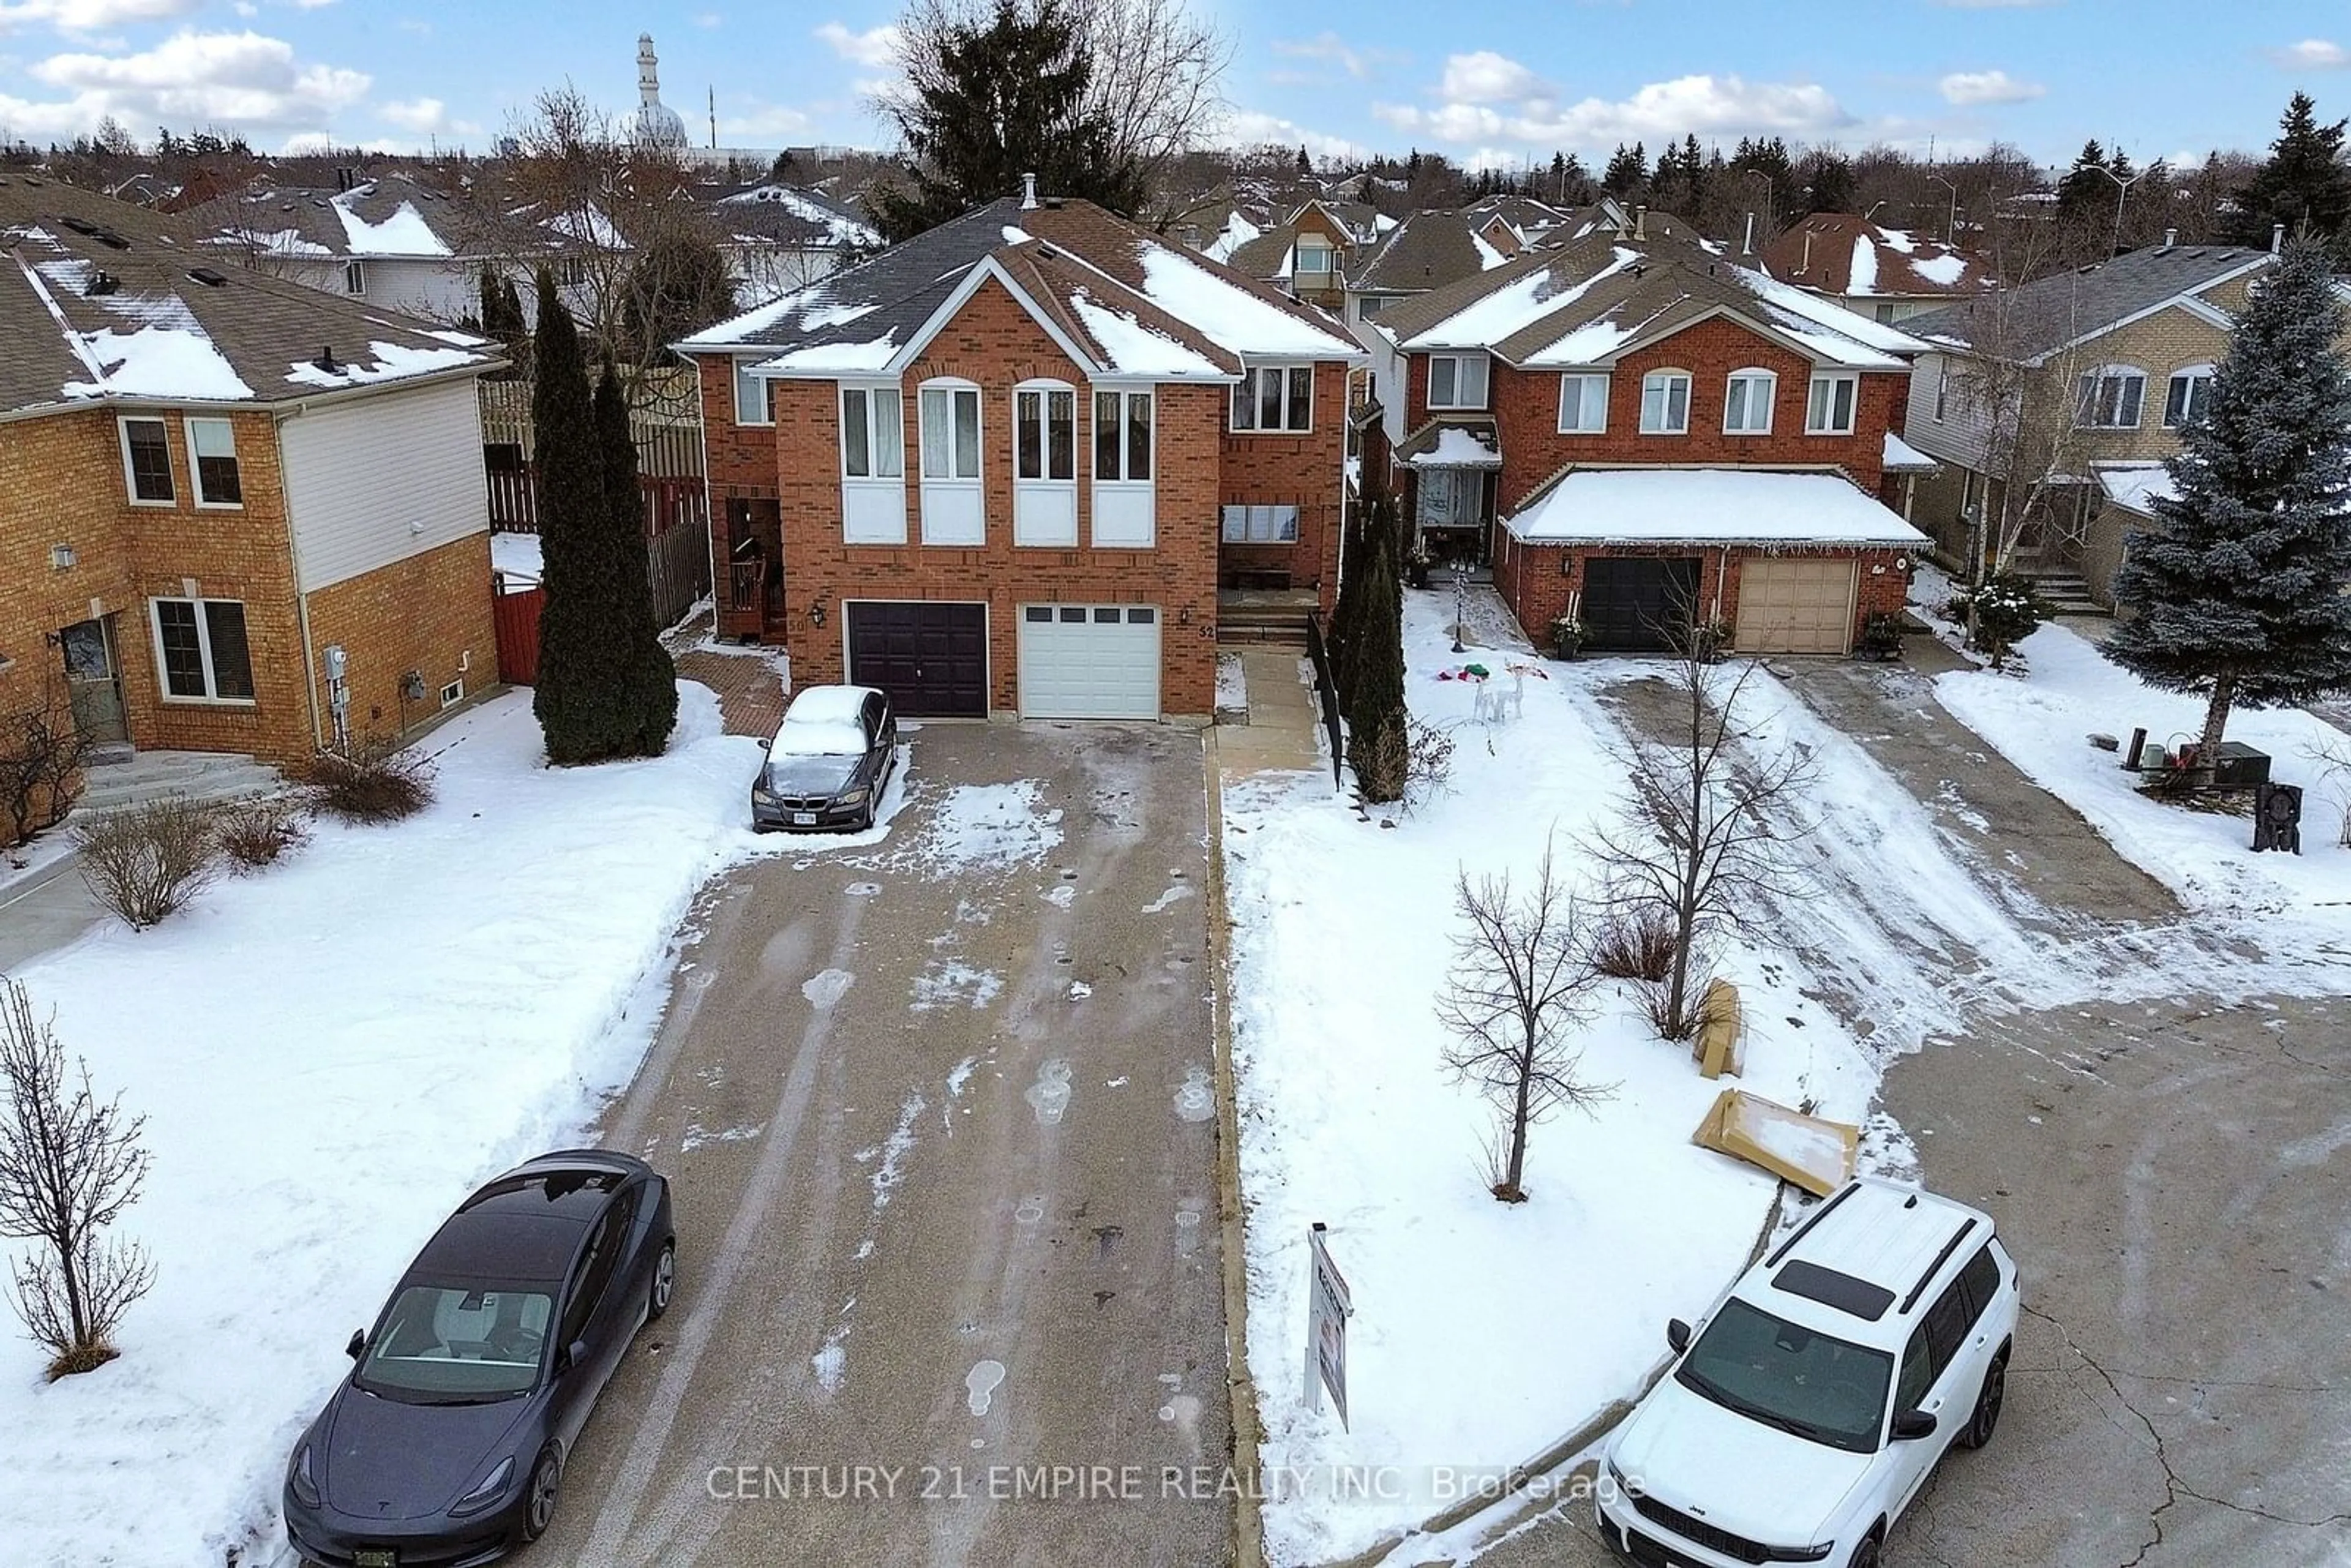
42,750
1522,974
69,1165
1154,83
1705,830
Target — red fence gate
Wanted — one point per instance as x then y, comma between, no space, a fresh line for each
516,615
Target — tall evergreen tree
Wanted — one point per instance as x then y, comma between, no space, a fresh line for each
583,660
2244,588
992,97
1376,738
648,676
2304,180
1627,173
1829,184
2085,189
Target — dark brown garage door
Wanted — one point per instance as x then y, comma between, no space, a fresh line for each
1637,604
931,658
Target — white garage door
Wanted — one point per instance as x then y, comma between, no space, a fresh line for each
1795,605
1089,661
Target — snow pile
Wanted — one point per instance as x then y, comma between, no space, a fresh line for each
157,361
404,232
1459,448
2137,485
1134,348
1482,1331
2039,723
1232,682
1898,454
1943,270
1489,258
329,1056
1238,232
1229,315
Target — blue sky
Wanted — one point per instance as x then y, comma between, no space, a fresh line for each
1497,82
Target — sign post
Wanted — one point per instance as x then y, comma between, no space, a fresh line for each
1328,1306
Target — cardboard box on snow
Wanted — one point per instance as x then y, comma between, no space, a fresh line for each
1817,1155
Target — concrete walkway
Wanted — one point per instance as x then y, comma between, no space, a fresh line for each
44,911
1280,736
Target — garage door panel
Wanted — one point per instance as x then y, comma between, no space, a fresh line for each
932,658
1089,661
1637,604
1796,605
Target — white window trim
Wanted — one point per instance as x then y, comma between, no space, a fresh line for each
1093,460
130,485
865,390
1668,375
1853,407
1750,374
1250,375
1248,510
1566,377
1044,386
1458,360
355,273
954,484
196,463
767,393
204,652
1942,388
2098,375
2206,373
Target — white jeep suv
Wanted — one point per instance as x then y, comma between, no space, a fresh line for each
1805,1409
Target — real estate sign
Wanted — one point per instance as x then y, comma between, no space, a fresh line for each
1328,1306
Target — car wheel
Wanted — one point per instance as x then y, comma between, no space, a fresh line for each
1987,1403
1864,1555
538,1503
665,1281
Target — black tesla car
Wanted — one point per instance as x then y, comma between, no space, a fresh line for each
829,763
445,1445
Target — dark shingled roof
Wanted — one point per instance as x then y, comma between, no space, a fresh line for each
100,298
2036,319
1426,250
1818,254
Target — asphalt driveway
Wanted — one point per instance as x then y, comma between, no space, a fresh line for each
938,1118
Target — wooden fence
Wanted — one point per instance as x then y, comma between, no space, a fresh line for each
677,563
515,616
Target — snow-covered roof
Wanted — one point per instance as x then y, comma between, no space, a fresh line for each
2136,485
1847,255
1901,457
400,232
777,212
1455,446
1709,507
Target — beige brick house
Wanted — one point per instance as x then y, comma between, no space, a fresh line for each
235,515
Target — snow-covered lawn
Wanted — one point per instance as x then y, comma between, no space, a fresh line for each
329,1055
1482,1333
2041,721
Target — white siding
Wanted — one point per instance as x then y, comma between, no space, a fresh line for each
379,479
1963,435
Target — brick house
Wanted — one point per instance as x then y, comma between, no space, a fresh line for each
215,483
1635,432
1008,467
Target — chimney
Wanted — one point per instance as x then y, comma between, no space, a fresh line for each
1027,193
343,179
1804,267
2170,238
1746,246
325,359
2277,238
1641,223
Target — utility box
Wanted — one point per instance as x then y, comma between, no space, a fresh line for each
2236,765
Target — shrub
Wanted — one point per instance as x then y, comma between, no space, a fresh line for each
144,861
370,781
256,833
2007,608
41,755
1635,944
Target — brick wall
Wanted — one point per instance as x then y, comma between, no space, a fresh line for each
740,459
430,612
1540,582
995,343
1301,470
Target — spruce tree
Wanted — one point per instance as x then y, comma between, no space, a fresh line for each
582,664
1376,738
649,677
2304,183
2244,588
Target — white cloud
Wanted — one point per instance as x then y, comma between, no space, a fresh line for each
873,46
240,80
313,5
1486,76
423,115
1329,47
89,15
1707,106
708,19
1968,87
2313,55
762,122
1255,127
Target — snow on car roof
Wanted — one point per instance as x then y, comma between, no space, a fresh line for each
842,705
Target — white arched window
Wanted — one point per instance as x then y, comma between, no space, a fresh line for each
2110,398
953,512
1747,401
1045,463
2190,389
1664,402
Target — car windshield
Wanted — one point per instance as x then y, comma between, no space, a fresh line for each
1783,1375
458,1343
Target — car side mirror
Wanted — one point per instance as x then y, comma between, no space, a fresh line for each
1911,1424
1677,1334
572,1355
358,1347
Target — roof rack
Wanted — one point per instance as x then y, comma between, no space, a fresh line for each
1937,1265
1814,1218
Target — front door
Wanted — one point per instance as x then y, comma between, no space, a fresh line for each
1638,604
94,680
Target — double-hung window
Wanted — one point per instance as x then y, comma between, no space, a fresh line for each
1457,381
147,462
755,396
1664,402
2186,398
200,646
1125,511
952,510
1279,398
212,452
1045,465
1828,411
1747,402
1583,404
2109,398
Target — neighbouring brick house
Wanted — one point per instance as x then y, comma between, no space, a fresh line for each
1307,256
1008,467
1638,432
213,482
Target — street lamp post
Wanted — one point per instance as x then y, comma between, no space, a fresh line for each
2122,190
1951,225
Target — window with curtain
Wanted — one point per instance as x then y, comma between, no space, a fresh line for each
870,444
1747,402
2110,398
212,447
2185,399
1261,525
1457,381
950,433
1275,398
1123,435
1664,402
1045,432
1583,404
1828,410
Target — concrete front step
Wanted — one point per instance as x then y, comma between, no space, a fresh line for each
198,775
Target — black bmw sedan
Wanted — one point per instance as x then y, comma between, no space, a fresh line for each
829,762
445,1445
